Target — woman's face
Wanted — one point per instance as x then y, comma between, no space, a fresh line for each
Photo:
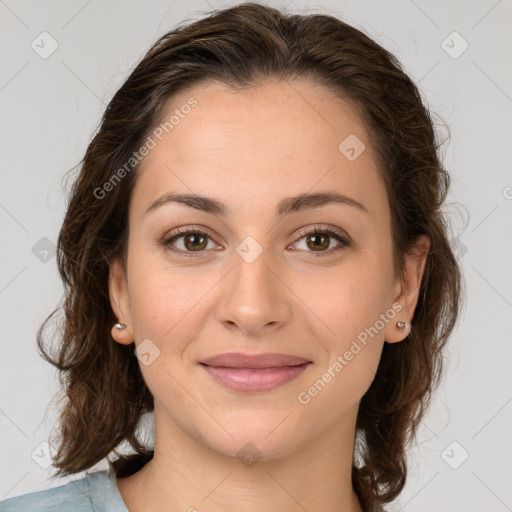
255,280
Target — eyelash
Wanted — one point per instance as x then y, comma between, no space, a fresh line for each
344,242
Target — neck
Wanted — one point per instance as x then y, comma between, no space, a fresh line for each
185,474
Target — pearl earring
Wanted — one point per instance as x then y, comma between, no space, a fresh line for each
401,325
119,326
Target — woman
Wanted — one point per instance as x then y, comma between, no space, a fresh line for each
259,216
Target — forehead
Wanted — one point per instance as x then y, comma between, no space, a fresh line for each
275,139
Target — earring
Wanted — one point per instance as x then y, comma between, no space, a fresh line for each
401,325
119,326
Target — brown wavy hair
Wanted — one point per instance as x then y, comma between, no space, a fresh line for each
105,394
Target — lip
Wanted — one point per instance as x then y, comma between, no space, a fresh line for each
253,361
254,373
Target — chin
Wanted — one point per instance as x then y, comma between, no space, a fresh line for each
263,435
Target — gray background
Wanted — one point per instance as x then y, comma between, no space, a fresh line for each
50,108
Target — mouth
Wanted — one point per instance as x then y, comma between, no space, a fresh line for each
253,361
254,373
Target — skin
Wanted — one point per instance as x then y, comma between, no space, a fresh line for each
249,150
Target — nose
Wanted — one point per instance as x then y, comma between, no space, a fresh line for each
254,299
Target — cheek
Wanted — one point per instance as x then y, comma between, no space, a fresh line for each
162,303
353,309
167,309
349,297
352,346
168,302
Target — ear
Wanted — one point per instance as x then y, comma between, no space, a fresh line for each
407,290
120,302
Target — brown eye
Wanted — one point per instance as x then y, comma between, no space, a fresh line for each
195,242
188,241
318,241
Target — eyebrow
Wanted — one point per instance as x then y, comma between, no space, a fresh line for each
286,206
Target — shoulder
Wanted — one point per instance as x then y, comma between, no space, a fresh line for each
84,495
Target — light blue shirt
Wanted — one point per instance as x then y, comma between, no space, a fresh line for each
96,492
